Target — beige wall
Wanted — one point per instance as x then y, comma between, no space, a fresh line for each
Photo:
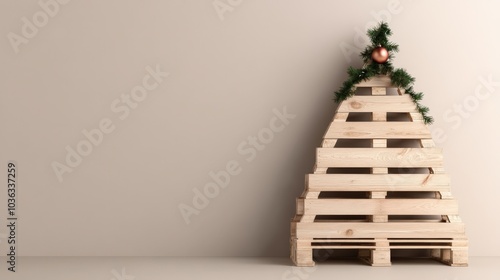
231,73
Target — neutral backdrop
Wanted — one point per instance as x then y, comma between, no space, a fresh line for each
231,63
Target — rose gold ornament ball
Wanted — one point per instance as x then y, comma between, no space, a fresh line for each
380,55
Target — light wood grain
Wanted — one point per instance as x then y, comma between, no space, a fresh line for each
378,130
449,241
367,104
406,243
378,182
299,206
379,116
379,143
379,157
382,247
379,91
416,117
377,206
380,230
329,143
340,117
377,81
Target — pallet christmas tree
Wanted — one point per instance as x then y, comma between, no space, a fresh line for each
378,183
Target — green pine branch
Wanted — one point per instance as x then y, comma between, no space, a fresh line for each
379,37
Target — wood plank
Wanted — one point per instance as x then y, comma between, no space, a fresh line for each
340,117
299,206
378,194
378,182
377,81
417,117
379,258
379,91
311,194
377,206
379,143
427,143
380,230
379,116
307,218
329,143
320,170
391,241
379,157
382,247
459,257
303,257
368,104
454,219
378,130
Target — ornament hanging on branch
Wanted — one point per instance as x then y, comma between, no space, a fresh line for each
380,55
377,59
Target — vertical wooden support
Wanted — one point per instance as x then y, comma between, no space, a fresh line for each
380,256
302,253
456,256
379,143
459,257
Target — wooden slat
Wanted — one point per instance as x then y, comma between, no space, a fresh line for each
311,194
377,206
329,143
340,117
392,244
307,218
416,117
367,104
379,157
377,81
427,143
380,230
378,182
384,247
378,130
454,219
299,206
379,91
378,194
320,170
379,116
390,240
379,143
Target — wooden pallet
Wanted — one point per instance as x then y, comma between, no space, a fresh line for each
378,185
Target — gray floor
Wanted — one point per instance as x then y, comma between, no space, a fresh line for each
150,268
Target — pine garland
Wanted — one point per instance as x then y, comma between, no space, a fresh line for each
399,77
